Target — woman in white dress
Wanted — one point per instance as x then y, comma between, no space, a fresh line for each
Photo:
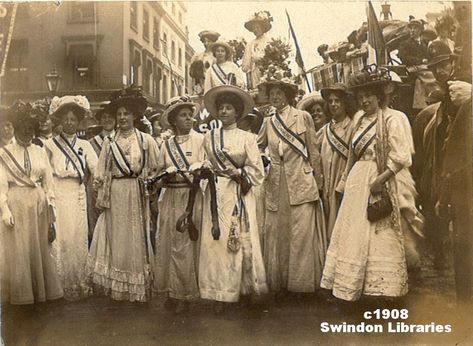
231,262
121,254
176,247
366,255
28,273
224,71
73,161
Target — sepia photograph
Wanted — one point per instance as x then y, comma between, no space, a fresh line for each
236,173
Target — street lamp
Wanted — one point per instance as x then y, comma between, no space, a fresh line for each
53,79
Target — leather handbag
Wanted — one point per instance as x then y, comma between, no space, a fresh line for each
379,206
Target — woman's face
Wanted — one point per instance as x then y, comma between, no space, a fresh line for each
277,97
184,120
367,101
227,114
6,130
46,126
220,54
108,122
125,118
318,115
206,41
442,71
157,128
70,123
25,132
257,29
336,106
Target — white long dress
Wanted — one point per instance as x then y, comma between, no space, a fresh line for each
28,272
224,275
369,257
121,255
176,262
71,246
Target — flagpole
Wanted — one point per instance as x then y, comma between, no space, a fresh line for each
299,60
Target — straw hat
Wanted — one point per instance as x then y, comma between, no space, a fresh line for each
309,100
76,101
211,35
337,88
370,76
173,105
263,18
211,96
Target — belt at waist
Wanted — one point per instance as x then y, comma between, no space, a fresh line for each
177,185
124,177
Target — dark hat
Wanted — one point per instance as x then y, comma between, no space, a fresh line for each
278,77
439,51
132,98
337,88
173,105
263,18
21,113
211,35
416,22
370,76
226,46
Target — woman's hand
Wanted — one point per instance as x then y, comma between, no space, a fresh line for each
171,171
233,173
7,218
376,186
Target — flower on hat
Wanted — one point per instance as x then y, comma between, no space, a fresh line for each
262,15
58,102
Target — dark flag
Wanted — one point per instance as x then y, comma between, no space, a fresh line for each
299,60
377,48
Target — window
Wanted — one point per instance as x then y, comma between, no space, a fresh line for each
173,51
148,76
134,15
165,89
135,67
146,25
165,43
156,33
81,11
179,57
157,79
82,65
17,66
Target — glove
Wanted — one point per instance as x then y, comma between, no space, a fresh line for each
196,166
460,92
171,171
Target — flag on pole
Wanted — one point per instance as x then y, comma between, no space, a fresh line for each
7,22
299,60
376,47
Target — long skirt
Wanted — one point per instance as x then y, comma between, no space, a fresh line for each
71,246
29,274
224,274
176,263
295,243
364,257
120,253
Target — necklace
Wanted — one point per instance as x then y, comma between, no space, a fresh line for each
127,133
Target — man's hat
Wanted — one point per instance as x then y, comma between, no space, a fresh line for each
416,22
438,52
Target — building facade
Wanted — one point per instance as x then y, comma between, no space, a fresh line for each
98,47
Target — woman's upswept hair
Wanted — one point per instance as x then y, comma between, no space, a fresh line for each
232,99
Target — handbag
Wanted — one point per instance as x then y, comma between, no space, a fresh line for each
379,206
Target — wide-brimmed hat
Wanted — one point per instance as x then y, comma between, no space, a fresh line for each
131,98
262,18
335,88
439,51
75,101
416,22
211,35
211,96
225,45
277,77
309,100
370,76
173,105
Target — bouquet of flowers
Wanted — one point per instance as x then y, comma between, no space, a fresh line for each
276,54
238,45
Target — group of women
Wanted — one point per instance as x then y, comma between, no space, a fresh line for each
338,201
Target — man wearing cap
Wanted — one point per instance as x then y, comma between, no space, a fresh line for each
201,62
259,24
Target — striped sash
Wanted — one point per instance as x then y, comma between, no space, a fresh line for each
337,143
97,143
364,139
225,79
15,168
71,154
120,159
224,160
177,156
291,138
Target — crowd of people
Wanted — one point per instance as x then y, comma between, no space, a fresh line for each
318,197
